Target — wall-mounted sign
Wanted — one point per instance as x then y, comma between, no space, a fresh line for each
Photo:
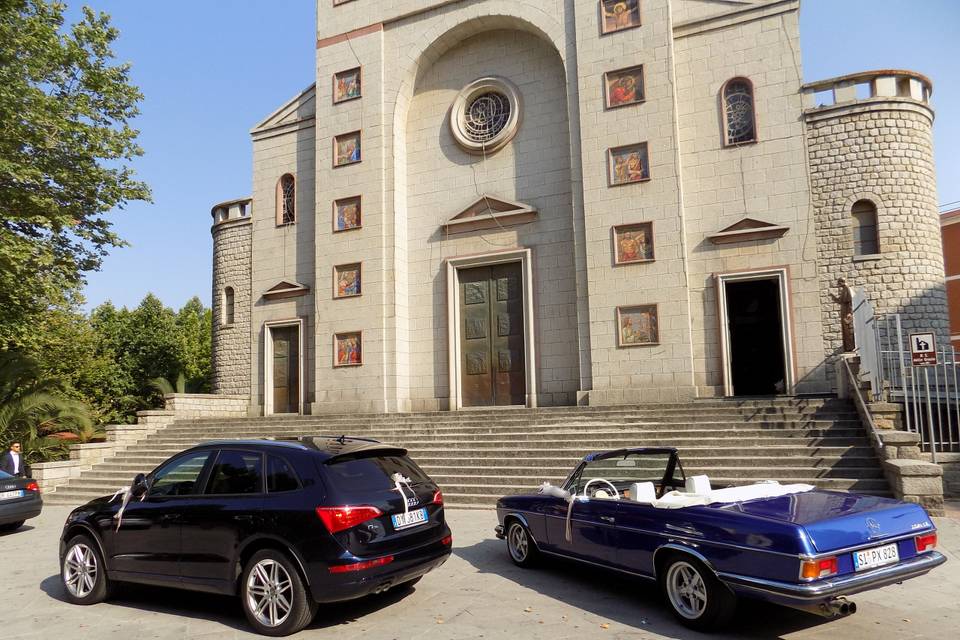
923,349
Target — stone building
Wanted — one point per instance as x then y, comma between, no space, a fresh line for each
555,202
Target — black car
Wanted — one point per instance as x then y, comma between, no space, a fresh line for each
19,501
286,525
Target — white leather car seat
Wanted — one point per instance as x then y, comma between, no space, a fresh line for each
642,492
699,485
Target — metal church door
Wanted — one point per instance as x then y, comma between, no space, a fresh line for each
286,369
492,368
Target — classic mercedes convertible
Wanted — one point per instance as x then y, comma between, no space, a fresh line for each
635,511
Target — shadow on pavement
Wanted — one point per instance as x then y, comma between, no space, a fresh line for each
633,602
9,532
226,610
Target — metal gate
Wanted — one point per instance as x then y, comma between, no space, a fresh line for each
930,394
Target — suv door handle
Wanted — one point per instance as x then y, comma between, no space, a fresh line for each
243,518
170,517
609,519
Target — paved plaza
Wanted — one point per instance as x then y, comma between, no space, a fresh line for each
478,593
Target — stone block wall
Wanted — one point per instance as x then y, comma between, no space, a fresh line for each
878,149
231,341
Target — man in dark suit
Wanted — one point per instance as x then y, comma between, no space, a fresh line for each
12,461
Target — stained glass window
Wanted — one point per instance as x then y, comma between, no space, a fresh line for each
286,200
739,115
487,116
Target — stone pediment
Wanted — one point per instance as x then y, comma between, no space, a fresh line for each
286,289
301,107
748,229
489,212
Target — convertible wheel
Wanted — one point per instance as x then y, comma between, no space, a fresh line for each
82,572
520,544
697,598
274,597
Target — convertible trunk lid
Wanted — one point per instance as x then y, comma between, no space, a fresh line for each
835,520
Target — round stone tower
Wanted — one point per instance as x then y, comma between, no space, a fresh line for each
231,297
874,194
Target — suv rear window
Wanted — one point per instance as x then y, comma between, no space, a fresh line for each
362,475
236,472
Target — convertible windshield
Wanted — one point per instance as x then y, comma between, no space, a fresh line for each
623,471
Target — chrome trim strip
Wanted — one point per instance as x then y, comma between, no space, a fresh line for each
597,564
843,585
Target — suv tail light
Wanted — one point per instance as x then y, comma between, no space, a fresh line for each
437,498
33,486
360,566
816,569
341,518
926,542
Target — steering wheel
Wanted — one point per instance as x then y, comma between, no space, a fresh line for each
616,492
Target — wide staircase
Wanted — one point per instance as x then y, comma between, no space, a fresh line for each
476,456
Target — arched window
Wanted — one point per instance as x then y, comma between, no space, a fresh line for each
866,240
739,115
286,200
228,298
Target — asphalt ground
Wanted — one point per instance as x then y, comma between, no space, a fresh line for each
478,593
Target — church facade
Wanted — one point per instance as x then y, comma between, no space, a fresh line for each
557,202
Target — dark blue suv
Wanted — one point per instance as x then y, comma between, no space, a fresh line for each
285,525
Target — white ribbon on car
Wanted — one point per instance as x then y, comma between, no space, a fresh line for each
548,489
127,494
398,481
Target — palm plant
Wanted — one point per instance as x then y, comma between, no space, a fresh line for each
164,387
32,407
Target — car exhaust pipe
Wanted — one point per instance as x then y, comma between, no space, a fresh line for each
838,608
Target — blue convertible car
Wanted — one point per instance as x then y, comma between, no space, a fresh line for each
634,511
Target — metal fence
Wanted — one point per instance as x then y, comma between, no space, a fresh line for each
930,394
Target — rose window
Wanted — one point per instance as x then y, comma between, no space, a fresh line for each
486,115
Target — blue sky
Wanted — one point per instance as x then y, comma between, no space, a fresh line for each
211,69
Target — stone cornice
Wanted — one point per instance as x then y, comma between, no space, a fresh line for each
734,17
868,105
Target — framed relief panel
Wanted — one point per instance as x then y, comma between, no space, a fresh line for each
347,85
633,243
624,87
348,349
638,326
628,164
617,15
346,149
347,214
347,280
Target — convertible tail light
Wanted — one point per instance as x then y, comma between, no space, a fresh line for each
926,542
447,541
816,569
361,566
437,498
341,518
33,486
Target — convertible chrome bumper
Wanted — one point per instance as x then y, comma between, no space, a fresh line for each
832,588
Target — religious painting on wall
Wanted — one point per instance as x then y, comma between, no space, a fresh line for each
346,149
348,349
629,164
638,326
624,87
346,85
346,214
347,280
633,243
617,15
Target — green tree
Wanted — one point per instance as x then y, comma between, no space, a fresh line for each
65,149
194,331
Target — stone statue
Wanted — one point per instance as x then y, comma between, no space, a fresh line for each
845,300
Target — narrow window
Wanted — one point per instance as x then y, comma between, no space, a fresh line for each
739,116
228,305
866,241
286,200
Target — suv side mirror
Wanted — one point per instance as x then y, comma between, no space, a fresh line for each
140,485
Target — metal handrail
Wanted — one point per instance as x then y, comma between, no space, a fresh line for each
865,411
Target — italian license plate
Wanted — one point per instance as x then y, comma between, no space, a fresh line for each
875,557
10,495
409,519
